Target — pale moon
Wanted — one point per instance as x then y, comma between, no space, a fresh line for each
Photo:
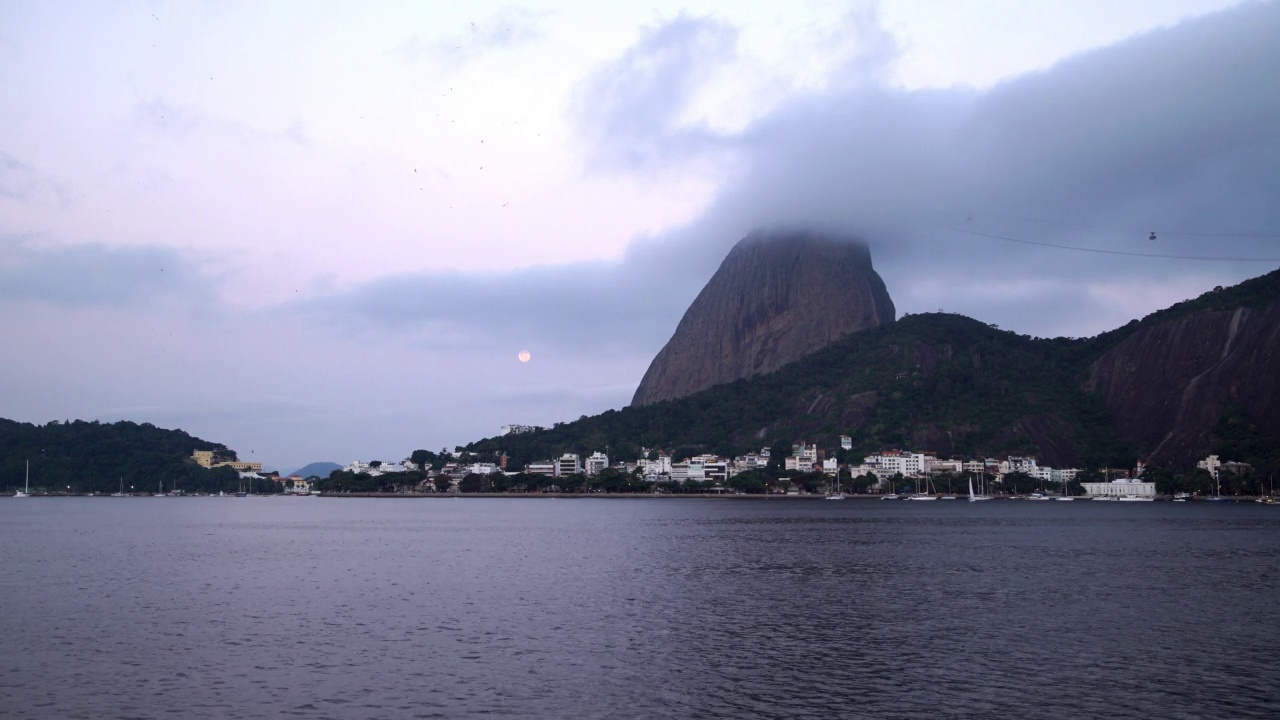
524,356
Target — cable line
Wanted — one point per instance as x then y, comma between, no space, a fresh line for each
1111,252
1158,231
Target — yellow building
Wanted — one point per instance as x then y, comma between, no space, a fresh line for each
204,458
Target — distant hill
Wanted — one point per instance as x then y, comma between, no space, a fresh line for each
1171,387
98,457
318,469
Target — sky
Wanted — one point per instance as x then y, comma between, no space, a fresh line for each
326,231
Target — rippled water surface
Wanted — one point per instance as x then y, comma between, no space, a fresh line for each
319,608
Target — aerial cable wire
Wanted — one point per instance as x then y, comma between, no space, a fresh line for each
1158,231
1110,252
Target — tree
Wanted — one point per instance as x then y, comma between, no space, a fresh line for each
472,483
442,483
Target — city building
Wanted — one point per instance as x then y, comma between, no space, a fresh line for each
543,467
1123,487
1212,464
204,458
568,464
518,429
596,463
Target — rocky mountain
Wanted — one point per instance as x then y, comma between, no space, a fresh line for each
1169,383
1201,376
777,297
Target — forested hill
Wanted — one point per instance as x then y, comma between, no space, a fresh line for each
939,382
95,457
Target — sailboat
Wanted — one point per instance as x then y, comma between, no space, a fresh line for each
1064,497
121,493
160,491
1217,491
27,491
837,495
949,495
976,498
240,491
1269,498
923,495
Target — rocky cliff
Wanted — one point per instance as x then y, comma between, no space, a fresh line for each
1167,384
776,298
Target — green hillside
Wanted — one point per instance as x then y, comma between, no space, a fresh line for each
934,381
940,382
95,457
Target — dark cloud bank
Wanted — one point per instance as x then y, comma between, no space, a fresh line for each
1176,131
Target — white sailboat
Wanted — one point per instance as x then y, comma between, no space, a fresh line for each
27,491
837,495
121,493
923,495
160,490
976,498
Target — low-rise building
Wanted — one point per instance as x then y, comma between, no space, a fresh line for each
891,462
1212,464
1123,487
541,467
204,458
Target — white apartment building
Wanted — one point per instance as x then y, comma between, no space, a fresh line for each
1121,488
896,461
1212,464
661,466
543,467
686,470
517,429
568,464
713,468
750,461
808,452
597,462
933,465
482,468
369,468
801,463
1023,464
846,442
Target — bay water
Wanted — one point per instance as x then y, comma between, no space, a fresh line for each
593,608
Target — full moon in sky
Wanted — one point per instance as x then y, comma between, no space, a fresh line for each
524,356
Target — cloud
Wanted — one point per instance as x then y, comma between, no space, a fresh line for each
508,28
631,109
87,275
23,183
1175,131
589,308
160,118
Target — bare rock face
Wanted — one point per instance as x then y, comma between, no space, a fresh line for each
776,298
1167,385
